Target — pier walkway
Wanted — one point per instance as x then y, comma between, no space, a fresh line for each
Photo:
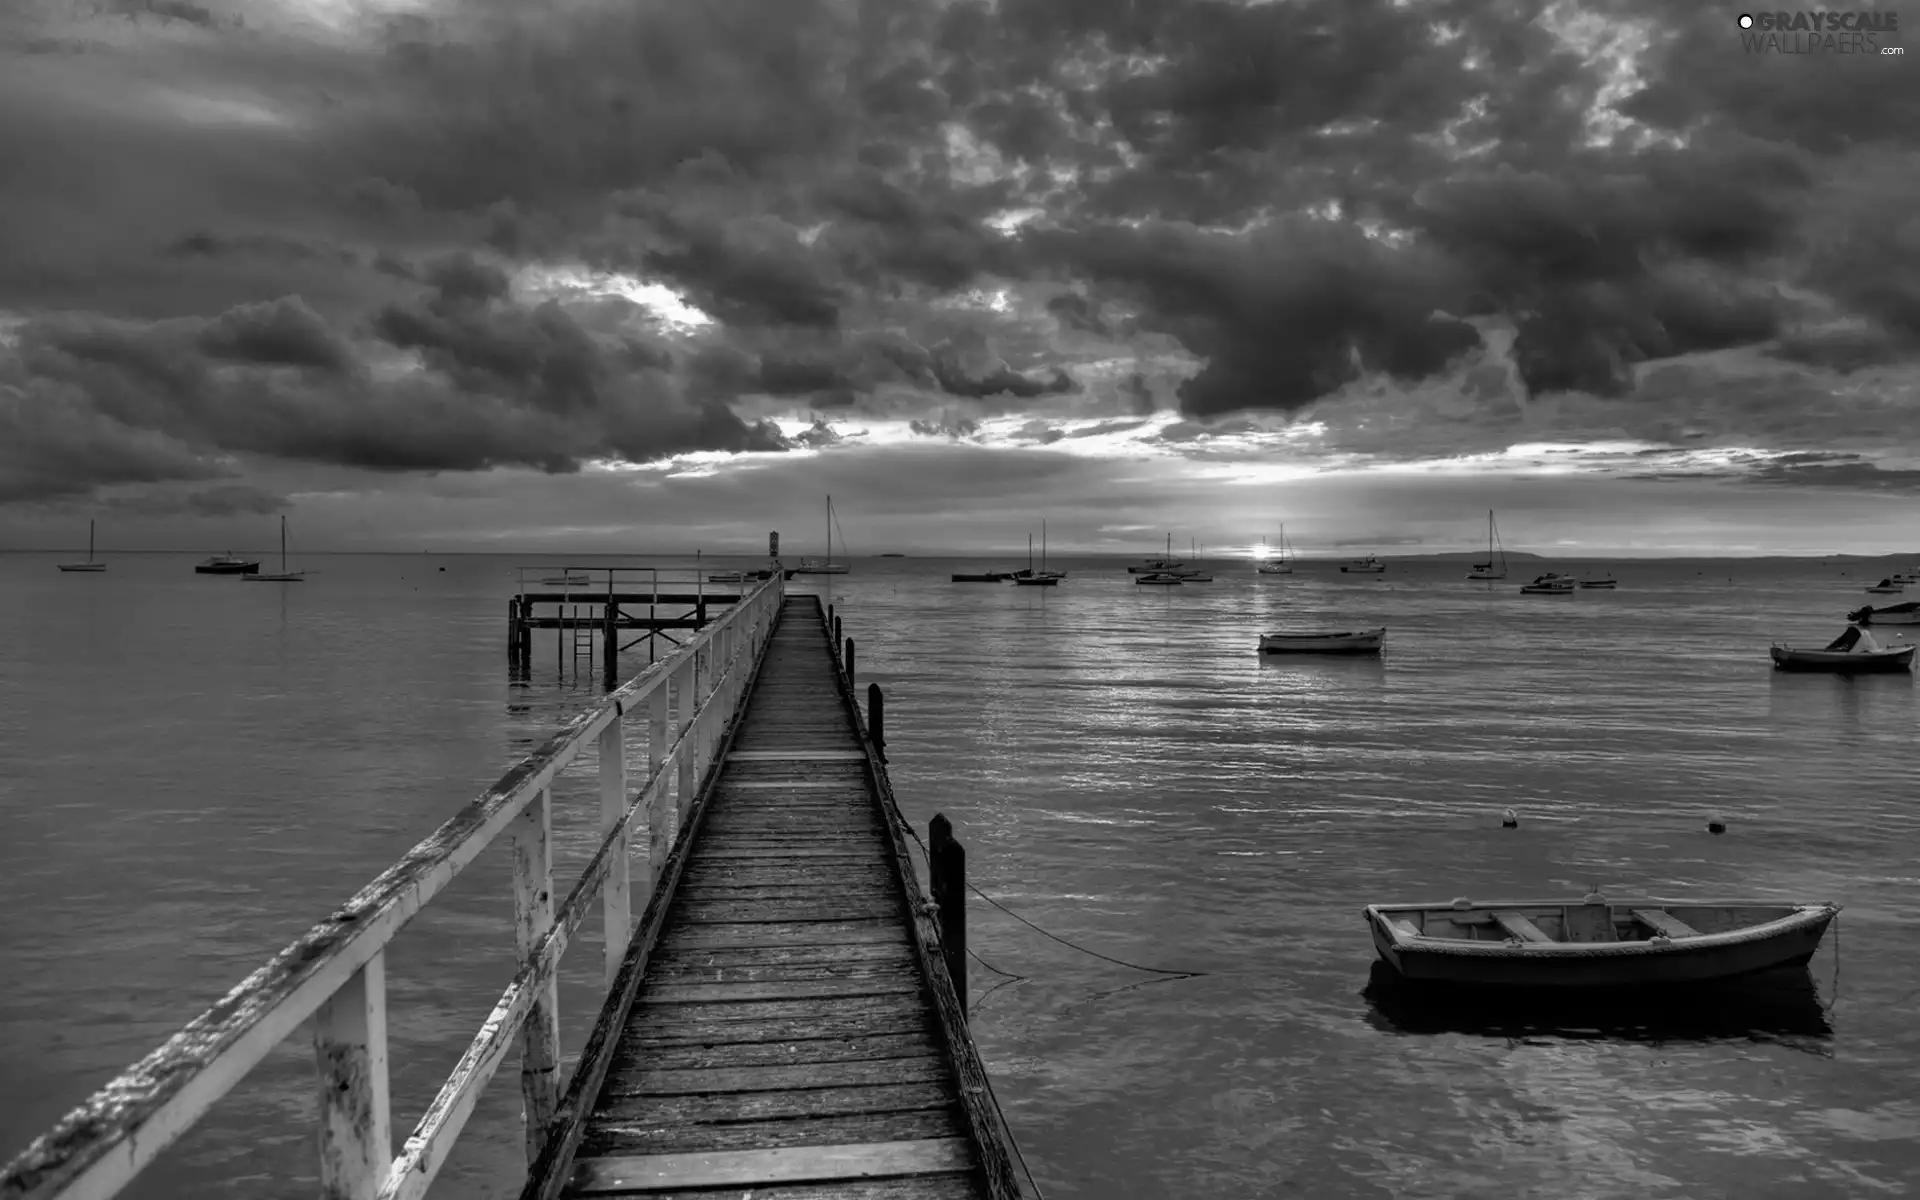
780,1019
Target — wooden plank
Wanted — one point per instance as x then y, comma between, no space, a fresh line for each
929,1067
776,1020
796,754
900,983
775,933
1663,922
710,855
640,1055
597,1177
958,1185
797,784
740,912
731,1108
1518,926
622,1138
761,956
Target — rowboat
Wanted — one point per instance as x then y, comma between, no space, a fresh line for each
1907,613
1357,641
1594,942
1852,652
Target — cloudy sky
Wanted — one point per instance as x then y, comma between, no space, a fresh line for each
652,275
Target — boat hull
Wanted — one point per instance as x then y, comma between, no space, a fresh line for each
1598,583
1531,590
83,566
1785,942
987,577
227,569
1364,641
1363,570
1842,662
277,577
1038,581
1899,614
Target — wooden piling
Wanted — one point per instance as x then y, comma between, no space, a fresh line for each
947,871
876,720
850,660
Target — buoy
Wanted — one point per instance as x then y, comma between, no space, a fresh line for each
1716,826
1509,821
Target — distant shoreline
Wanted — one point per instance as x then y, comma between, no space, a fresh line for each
549,558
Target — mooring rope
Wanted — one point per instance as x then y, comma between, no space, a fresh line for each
1120,962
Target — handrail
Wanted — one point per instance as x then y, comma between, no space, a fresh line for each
335,972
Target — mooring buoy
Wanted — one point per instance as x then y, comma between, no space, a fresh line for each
1716,826
1509,821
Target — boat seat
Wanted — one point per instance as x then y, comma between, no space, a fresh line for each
1519,927
1661,921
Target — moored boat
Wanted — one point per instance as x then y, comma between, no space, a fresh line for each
92,565
1594,942
1890,584
1364,566
1852,652
227,564
1489,569
1159,579
1604,581
1352,641
981,577
1551,584
1907,613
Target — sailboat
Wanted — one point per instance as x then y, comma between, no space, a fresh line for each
1486,570
1166,576
1272,567
1042,577
282,575
823,566
1193,573
90,564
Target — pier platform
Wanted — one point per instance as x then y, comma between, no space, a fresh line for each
784,1016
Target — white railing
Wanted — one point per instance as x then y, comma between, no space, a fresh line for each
336,973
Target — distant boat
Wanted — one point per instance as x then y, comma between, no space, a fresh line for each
1042,577
1605,581
1487,569
1280,566
892,554
1853,652
1194,573
1593,943
1158,566
1907,613
1359,641
981,577
822,566
1551,584
1889,584
1159,579
282,575
1364,566
226,564
90,564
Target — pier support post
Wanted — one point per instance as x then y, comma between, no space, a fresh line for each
610,649
877,720
849,660
350,1050
616,894
513,629
532,846
947,867
837,635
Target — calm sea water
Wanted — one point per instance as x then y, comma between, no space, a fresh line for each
194,770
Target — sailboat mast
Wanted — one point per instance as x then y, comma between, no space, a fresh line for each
283,543
1029,554
89,539
1489,537
829,528
1043,545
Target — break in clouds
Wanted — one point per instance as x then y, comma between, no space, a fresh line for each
489,234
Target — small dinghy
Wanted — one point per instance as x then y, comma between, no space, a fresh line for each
1853,651
1593,942
1894,614
1358,641
1888,585
1604,581
981,577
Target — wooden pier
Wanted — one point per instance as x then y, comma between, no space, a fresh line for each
590,609
786,1017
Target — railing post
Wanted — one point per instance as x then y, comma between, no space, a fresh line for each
947,871
350,1052
532,844
836,631
659,827
877,720
616,899
849,660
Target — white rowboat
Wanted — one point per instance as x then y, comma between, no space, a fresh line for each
1358,641
1594,943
